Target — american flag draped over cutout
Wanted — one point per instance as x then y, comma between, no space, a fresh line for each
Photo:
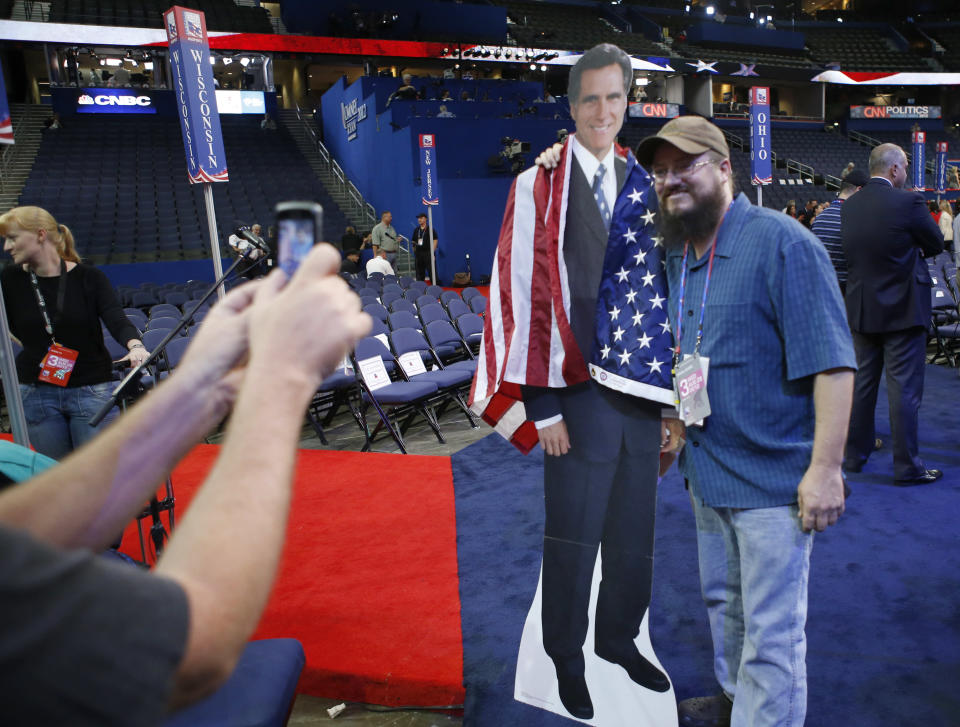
527,337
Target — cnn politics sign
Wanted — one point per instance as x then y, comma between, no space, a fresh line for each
114,101
895,112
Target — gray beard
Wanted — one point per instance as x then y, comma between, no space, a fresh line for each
676,229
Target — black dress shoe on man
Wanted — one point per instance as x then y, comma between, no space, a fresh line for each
705,711
573,687
925,479
638,668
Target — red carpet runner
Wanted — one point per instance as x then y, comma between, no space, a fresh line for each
368,580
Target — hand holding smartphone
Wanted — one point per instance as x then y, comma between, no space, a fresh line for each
299,227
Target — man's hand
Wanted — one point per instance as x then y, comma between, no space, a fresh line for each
554,439
673,436
300,330
549,158
221,342
820,497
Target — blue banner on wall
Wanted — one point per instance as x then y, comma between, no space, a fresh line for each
194,89
941,184
919,159
428,169
761,166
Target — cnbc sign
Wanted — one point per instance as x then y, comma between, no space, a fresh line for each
114,101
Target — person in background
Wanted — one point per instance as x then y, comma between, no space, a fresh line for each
420,249
443,113
827,224
379,264
351,241
887,232
956,236
791,209
807,214
92,643
946,224
846,170
55,305
383,236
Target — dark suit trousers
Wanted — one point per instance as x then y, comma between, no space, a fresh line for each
903,354
612,503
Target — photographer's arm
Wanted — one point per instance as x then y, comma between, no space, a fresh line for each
88,498
226,549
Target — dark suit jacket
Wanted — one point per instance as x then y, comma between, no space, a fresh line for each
886,232
598,419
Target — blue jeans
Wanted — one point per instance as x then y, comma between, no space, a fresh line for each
58,419
754,568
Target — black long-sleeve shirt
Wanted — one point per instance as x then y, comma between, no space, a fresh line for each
89,298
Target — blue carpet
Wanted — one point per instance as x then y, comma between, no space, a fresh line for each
884,624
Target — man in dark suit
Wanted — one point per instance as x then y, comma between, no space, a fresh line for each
602,446
887,232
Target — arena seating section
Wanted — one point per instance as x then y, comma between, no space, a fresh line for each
220,14
120,183
860,49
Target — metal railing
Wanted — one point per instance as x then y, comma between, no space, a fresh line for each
10,152
346,190
804,170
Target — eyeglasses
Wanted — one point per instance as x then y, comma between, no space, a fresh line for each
683,171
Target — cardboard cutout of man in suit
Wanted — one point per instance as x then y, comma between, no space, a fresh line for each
602,446
887,232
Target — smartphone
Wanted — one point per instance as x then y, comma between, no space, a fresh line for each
299,228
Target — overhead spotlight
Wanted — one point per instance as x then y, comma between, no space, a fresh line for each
456,66
244,61
227,61
496,53
752,15
769,18
543,68
686,8
711,10
114,62
508,54
533,66
486,53
762,21
839,20
148,65
445,51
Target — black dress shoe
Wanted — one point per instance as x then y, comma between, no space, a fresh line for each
705,711
925,479
574,694
638,668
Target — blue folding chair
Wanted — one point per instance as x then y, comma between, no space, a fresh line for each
433,312
403,319
403,305
399,399
376,310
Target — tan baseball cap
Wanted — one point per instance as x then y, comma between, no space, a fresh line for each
690,134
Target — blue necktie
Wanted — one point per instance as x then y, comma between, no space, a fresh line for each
600,197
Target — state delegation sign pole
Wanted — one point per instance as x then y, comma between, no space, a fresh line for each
761,166
431,197
199,118
214,237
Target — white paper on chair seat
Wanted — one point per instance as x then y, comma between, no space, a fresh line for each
374,373
382,337
412,363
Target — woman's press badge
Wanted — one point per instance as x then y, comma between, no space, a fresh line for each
57,365
690,383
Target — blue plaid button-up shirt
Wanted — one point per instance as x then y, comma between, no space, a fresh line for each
773,319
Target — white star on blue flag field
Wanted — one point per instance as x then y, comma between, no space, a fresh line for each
633,338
